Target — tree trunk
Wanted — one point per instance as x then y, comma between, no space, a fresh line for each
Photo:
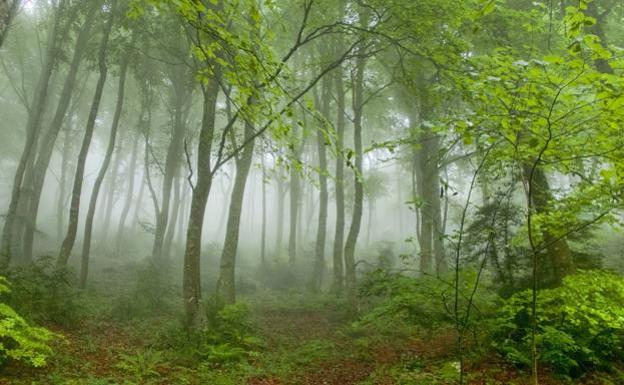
281,197
557,250
60,203
86,243
134,221
70,237
130,175
47,145
146,166
226,192
171,227
340,196
183,213
264,214
227,277
356,220
319,250
174,156
192,252
8,9
431,237
33,126
294,211
109,202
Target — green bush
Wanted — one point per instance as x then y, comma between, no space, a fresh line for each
230,335
399,299
18,340
151,294
141,366
580,324
43,293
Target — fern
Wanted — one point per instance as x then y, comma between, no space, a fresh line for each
20,341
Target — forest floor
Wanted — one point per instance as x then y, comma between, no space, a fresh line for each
302,345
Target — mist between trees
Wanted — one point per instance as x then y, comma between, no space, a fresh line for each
438,180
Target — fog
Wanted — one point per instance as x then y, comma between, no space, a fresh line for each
311,192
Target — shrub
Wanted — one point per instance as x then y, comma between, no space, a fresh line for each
580,324
18,340
230,335
395,298
150,294
43,293
142,365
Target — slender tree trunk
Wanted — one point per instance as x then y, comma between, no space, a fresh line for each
183,214
226,192
340,196
424,263
33,126
192,252
108,203
130,175
426,164
86,243
8,9
356,220
70,237
264,213
558,251
295,198
369,222
281,197
400,202
47,145
60,203
148,176
139,203
171,227
227,277
319,262
436,204
172,164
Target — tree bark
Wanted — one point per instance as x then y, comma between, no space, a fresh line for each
264,213
321,234
227,277
47,145
192,252
356,220
339,184
557,250
281,197
295,197
171,227
130,175
86,243
33,126
70,237
8,9
181,97
108,203
60,203
183,213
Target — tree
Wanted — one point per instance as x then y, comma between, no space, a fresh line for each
72,228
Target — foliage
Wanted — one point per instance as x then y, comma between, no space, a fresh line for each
149,295
415,373
43,293
230,335
142,365
400,299
580,324
20,341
